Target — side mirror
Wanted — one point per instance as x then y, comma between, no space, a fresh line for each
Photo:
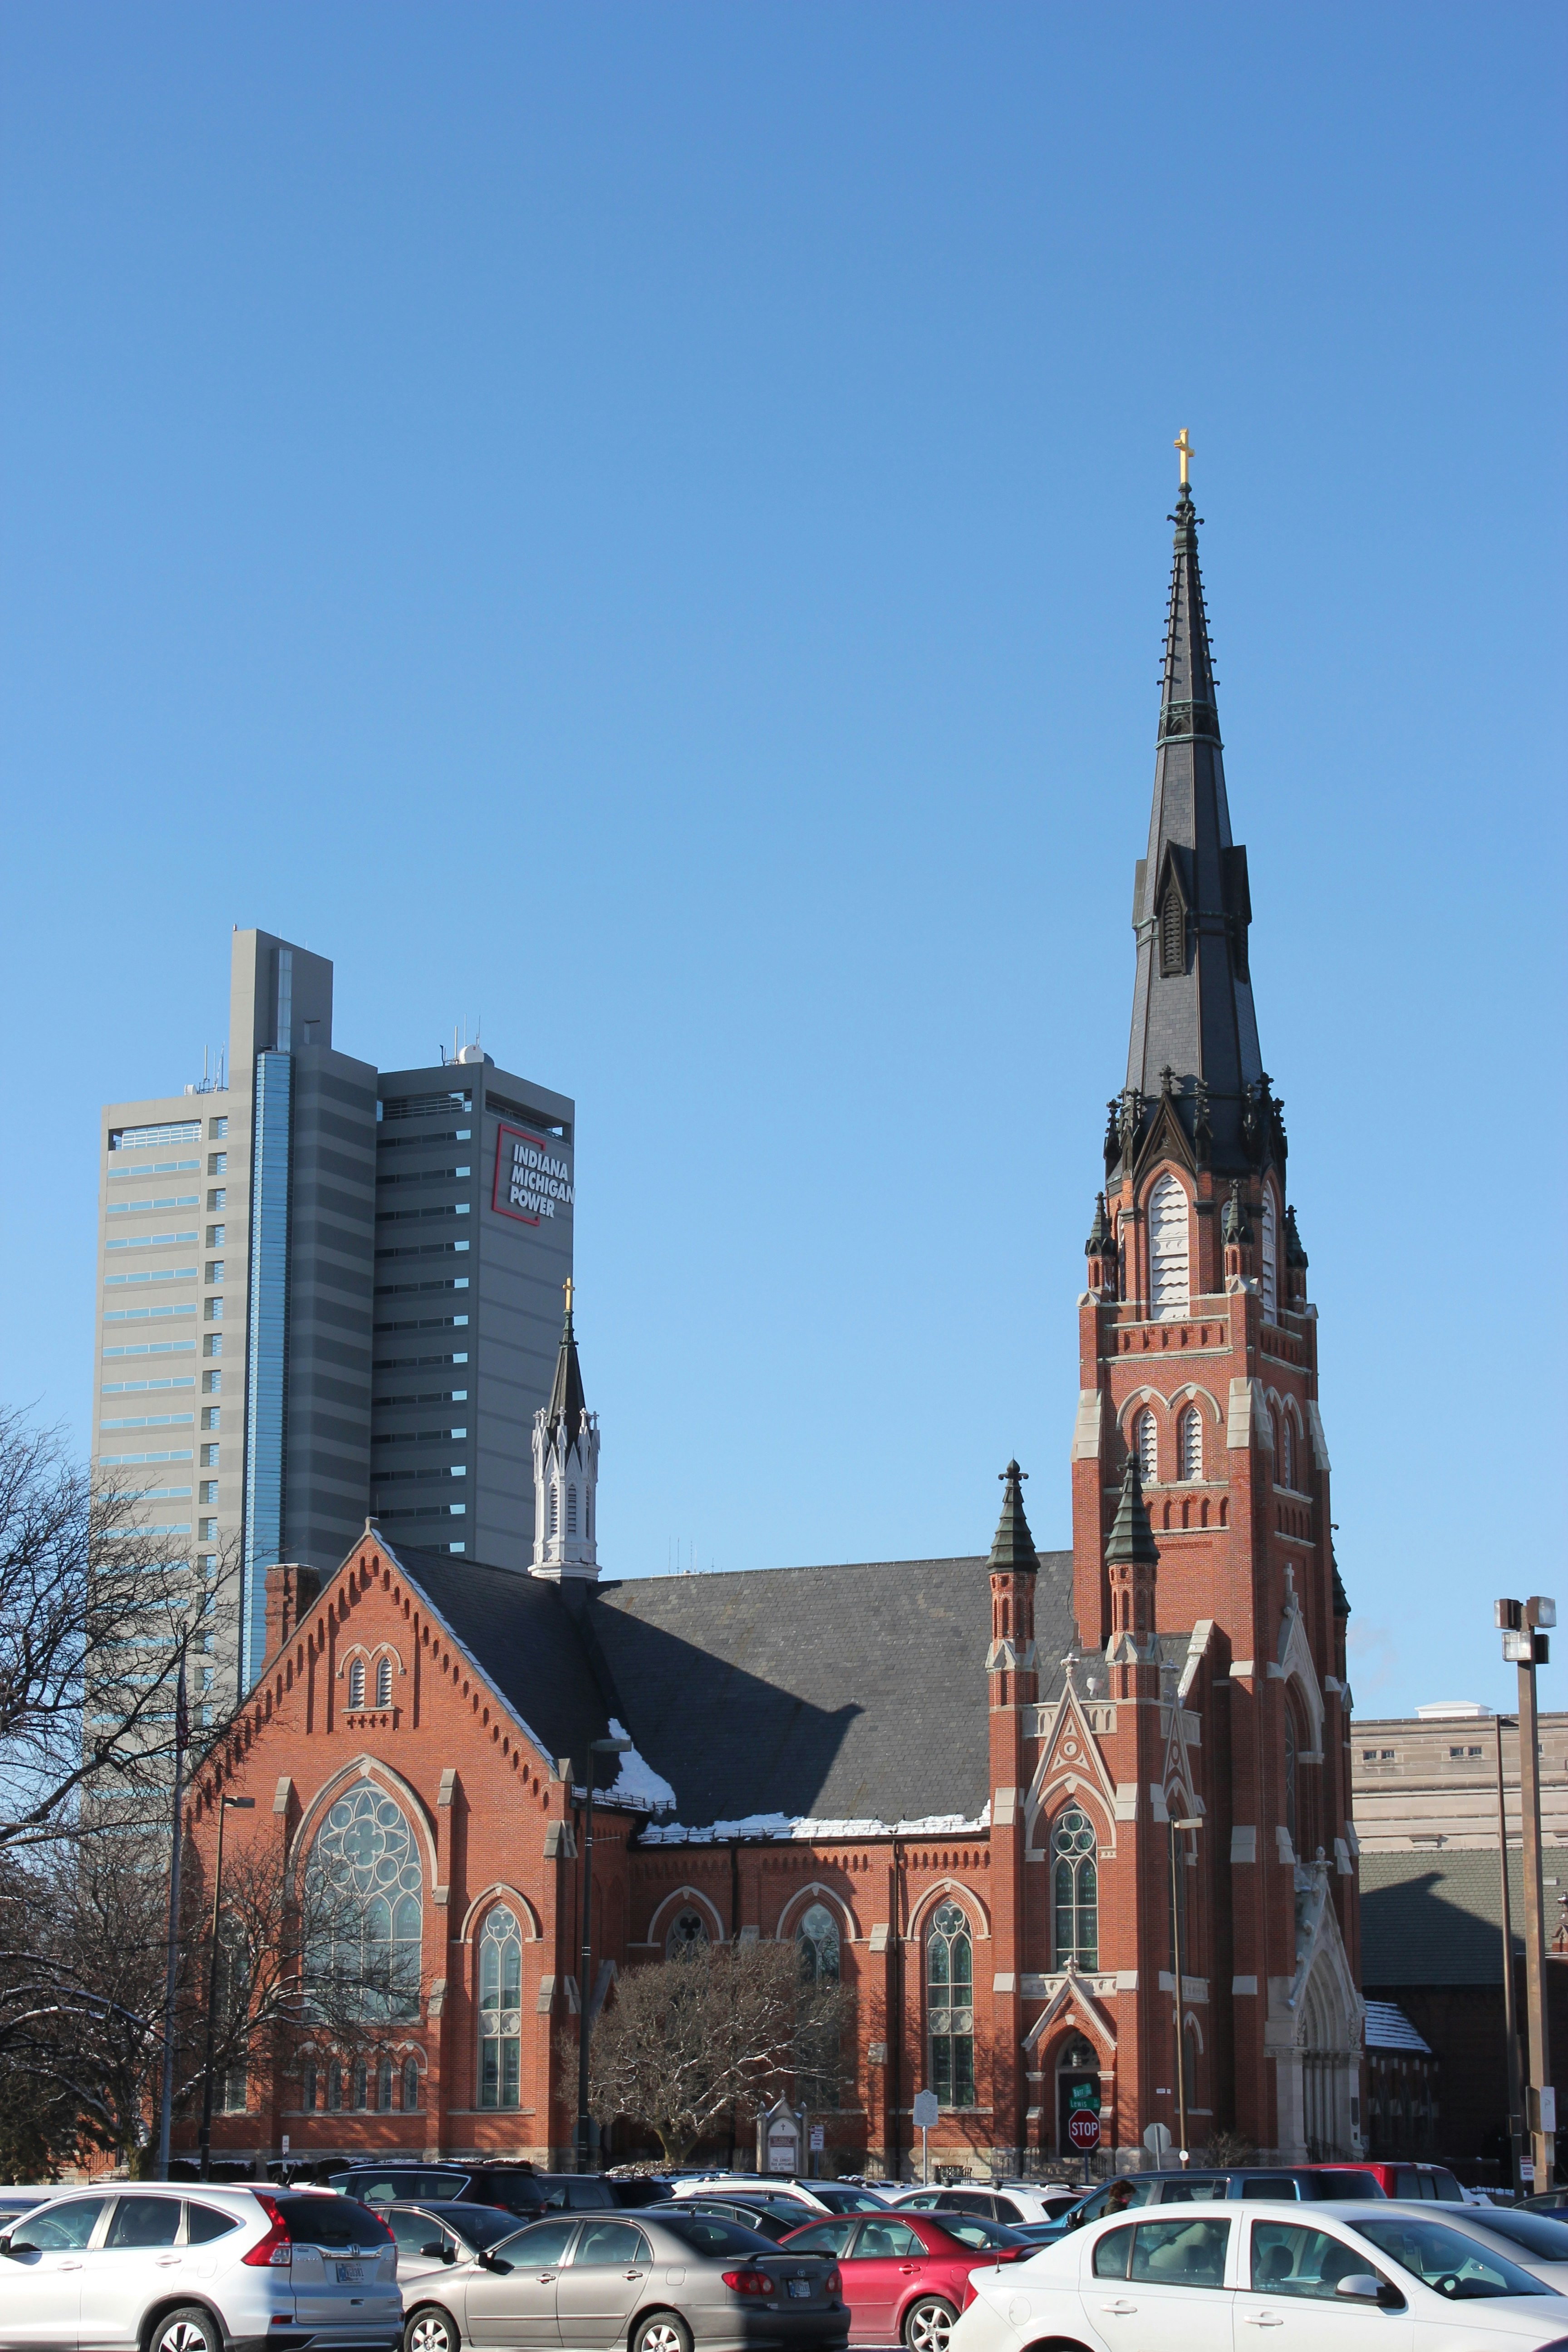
433,2251
18,2246
1362,2287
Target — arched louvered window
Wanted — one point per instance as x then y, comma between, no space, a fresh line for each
1146,1446
1173,934
950,2006
1168,1281
1076,1891
356,1683
571,1510
500,2010
554,1508
1287,1458
410,2086
1189,1442
1270,1265
383,1681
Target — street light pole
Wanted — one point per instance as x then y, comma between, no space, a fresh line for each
1528,1646
172,1956
615,1747
226,1806
1509,2023
1177,1957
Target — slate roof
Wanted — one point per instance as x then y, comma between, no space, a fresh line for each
848,1693
1436,1919
1200,1021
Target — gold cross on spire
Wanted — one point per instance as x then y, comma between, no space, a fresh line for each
569,1287
1183,449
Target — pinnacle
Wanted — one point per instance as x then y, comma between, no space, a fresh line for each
1131,1540
1014,1548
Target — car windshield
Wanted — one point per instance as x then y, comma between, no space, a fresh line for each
705,2234
851,2200
1538,2234
971,2229
481,2225
329,2220
1459,2267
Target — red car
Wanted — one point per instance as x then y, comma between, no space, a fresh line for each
906,2275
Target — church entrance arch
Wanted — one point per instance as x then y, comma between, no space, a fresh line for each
1077,2088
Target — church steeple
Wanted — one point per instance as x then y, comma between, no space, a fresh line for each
566,1471
1194,1033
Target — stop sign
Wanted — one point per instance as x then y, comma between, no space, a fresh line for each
1083,2129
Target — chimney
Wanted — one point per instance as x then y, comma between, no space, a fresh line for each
291,1592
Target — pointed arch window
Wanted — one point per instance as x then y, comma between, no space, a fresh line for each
385,2076
501,2008
1292,1798
383,1681
688,1933
410,2086
1169,1284
816,1941
361,2084
307,2089
1173,933
1190,1443
356,1686
950,2006
1146,1446
1286,1450
334,2087
1075,1891
1269,1265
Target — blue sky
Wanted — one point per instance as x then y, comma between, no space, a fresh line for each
646,526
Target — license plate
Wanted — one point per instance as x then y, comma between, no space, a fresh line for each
351,2274
801,2287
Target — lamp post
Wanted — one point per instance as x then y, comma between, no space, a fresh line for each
1510,2025
1194,1821
226,1805
608,1747
1526,1643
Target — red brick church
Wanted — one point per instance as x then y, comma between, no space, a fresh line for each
959,1781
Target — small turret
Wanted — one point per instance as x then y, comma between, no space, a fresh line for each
566,1472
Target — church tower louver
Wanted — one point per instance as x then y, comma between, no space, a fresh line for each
1203,1571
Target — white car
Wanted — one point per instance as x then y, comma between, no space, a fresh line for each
1536,2242
1013,2201
1338,2278
152,2266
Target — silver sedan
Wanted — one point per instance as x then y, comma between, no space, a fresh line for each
659,2281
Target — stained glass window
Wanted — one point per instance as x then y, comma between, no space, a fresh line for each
950,2006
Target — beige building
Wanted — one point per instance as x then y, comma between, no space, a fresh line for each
1427,1782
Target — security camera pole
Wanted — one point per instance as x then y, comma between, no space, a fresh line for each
584,2024
1509,2022
1526,1643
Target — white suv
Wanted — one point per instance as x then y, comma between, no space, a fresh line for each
152,2267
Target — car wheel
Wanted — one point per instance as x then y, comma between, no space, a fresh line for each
927,2323
189,2329
430,2329
661,2331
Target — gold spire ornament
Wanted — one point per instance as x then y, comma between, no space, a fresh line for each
568,1286
1183,449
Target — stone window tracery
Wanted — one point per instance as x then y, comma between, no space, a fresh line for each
1075,1888
688,1932
365,1886
500,2010
950,2006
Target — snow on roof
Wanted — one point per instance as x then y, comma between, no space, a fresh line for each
638,1784
1451,1710
805,1827
1388,2028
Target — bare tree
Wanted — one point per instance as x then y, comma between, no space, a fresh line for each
98,1610
719,2030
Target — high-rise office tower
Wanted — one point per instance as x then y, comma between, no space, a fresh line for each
326,1291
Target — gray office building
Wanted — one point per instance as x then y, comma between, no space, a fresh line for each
326,1291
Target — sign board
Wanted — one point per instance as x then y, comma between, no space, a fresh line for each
532,1179
1083,2129
1157,2138
818,2138
1527,2172
926,2111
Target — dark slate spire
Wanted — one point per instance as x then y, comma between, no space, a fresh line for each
1013,1547
567,1403
1192,1005
1131,1539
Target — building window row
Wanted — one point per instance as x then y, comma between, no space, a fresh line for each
1189,1445
367,2084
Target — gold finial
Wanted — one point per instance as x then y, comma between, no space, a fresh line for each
568,1287
1183,449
